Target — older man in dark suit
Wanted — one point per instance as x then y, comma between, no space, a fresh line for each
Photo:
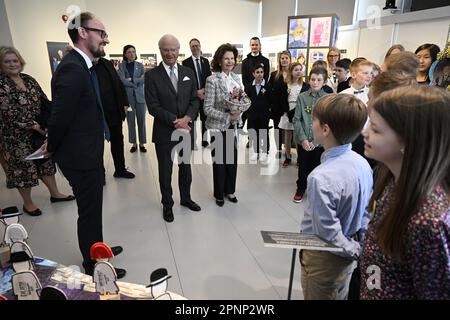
171,96
202,70
77,129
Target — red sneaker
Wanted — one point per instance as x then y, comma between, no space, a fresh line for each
298,197
286,163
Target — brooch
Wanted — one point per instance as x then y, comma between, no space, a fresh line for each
308,109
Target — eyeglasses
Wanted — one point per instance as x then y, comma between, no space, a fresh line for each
103,34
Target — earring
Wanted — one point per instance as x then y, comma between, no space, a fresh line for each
402,151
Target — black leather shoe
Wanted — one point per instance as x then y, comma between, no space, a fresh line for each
232,199
168,214
124,174
205,144
133,149
68,198
34,213
116,250
120,273
191,205
220,203
142,149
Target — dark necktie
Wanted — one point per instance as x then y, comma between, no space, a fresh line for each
99,102
199,73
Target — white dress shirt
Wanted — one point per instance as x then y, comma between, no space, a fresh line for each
175,69
361,94
230,82
85,57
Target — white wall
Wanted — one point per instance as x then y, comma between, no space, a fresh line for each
413,34
138,22
143,22
32,24
367,8
5,32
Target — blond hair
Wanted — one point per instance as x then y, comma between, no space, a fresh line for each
11,50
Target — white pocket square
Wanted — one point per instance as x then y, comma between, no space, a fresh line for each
186,78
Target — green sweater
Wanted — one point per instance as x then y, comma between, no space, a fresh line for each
303,115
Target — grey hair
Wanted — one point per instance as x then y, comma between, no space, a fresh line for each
168,37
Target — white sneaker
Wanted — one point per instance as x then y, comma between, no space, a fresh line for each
254,157
263,157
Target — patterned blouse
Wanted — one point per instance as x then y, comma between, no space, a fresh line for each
425,271
18,112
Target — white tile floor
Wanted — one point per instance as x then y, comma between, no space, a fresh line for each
217,253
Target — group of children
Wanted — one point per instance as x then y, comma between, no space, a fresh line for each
408,204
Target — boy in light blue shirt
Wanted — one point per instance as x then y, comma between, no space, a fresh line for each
337,195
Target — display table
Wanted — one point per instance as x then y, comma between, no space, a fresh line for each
76,285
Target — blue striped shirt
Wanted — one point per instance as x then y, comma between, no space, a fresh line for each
337,196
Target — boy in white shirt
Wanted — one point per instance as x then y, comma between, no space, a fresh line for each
361,71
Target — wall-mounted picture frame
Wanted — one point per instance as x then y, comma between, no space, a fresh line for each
298,31
55,53
149,60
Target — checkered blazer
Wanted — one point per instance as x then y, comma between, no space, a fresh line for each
215,92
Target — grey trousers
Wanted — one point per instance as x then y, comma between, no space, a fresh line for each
325,276
138,111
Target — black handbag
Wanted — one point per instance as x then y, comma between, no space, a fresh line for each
37,139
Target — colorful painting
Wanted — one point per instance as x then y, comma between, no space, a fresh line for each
315,55
299,55
320,32
298,33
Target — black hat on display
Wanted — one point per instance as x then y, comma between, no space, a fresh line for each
158,276
52,293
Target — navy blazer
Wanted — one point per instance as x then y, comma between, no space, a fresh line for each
165,104
75,127
135,89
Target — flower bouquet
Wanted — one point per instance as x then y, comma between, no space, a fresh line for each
237,101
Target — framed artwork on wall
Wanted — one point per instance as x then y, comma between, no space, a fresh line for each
149,60
298,33
320,32
310,37
55,53
238,67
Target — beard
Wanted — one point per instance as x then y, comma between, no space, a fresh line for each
97,52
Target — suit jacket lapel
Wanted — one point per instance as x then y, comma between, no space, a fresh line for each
222,84
165,77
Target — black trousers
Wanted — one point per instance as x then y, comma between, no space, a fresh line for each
259,139
117,148
165,165
278,133
87,188
202,117
308,161
224,155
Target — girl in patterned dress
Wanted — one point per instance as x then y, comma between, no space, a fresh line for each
406,253
20,106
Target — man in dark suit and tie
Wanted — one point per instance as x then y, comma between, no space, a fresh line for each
202,70
77,129
171,96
